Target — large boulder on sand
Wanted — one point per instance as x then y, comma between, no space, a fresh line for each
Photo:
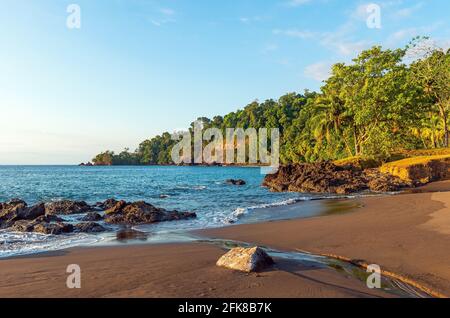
246,260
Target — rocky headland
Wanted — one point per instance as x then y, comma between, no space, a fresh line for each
327,177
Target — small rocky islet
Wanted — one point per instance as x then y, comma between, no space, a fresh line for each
47,218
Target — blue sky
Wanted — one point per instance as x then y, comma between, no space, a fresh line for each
137,68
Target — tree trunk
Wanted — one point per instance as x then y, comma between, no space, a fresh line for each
444,116
446,133
356,141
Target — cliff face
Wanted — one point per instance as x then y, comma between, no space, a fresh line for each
420,170
327,177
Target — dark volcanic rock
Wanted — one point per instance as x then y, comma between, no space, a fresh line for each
89,227
23,226
117,207
9,212
92,216
106,205
142,213
67,207
44,224
16,209
53,228
238,182
326,177
33,212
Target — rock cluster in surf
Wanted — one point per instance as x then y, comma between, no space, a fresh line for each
47,218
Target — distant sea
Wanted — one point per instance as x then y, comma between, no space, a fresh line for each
197,189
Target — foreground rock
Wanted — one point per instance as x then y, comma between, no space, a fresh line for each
327,177
238,182
246,260
142,213
66,207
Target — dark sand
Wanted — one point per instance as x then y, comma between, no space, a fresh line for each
182,270
407,234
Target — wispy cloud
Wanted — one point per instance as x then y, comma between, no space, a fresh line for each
295,33
339,41
407,12
401,35
296,3
167,11
165,15
270,48
248,20
318,71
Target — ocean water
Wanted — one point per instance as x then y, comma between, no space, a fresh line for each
198,189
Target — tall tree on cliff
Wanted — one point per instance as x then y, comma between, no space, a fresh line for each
431,70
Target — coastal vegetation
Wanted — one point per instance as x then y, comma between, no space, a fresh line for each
384,103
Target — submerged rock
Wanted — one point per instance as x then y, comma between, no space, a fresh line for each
142,213
327,177
128,234
89,227
238,182
246,260
92,216
67,207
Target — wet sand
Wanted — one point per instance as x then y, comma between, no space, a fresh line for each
406,234
174,270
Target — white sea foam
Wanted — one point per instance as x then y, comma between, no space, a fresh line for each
240,212
13,243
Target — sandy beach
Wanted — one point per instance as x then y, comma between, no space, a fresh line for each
407,234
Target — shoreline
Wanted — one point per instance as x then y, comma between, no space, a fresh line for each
405,234
184,264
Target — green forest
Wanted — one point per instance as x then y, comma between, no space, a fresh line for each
384,101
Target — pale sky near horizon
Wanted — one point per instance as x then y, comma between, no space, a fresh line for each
137,68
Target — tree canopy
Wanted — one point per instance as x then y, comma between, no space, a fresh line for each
371,107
